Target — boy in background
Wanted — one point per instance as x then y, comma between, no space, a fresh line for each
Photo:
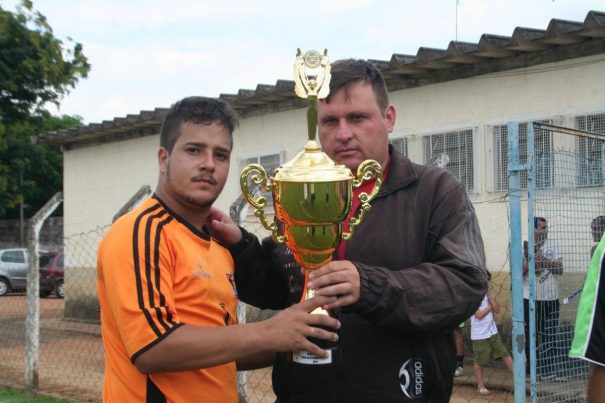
487,344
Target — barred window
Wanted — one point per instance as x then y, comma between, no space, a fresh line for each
270,163
543,156
590,158
401,144
457,148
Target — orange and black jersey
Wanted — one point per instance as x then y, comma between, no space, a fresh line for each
155,273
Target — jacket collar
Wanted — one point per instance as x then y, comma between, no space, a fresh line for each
402,173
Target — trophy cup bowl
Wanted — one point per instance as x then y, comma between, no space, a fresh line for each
312,195
312,203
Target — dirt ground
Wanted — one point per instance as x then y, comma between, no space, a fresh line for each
70,353
71,357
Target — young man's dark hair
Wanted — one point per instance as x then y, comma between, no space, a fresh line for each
347,72
197,110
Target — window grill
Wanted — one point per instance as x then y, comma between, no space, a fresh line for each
401,144
270,163
590,158
543,156
458,147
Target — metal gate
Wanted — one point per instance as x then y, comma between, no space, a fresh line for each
559,190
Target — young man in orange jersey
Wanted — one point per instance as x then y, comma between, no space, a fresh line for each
166,287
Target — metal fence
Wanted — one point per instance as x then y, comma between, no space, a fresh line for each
69,361
565,191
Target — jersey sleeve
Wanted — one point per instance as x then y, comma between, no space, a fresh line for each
137,270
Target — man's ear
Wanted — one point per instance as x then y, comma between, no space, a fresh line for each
390,115
163,156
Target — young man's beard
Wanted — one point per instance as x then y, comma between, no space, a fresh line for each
187,198
205,203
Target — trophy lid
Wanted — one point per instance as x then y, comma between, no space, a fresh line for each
312,165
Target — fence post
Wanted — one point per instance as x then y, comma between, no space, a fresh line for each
32,320
531,264
133,201
235,211
516,259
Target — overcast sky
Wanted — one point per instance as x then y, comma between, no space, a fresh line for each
147,53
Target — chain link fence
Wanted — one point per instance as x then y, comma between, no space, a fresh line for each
569,209
565,192
70,358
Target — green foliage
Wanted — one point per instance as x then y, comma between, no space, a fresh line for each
31,173
35,69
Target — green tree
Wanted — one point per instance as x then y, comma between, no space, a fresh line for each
36,69
32,173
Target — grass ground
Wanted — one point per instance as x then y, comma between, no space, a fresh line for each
8,395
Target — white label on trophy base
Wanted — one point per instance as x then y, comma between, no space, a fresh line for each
305,357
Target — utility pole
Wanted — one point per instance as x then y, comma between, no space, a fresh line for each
456,36
21,213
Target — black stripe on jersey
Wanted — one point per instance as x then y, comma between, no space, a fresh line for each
137,268
156,267
151,280
136,355
154,394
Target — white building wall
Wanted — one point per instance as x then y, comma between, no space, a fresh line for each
98,180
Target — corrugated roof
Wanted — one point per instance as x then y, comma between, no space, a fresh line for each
525,47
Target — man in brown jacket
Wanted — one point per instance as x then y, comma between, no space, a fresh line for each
414,270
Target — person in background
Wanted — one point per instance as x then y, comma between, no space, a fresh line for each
597,227
414,269
487,344
589,333
548,266
459,340
165,286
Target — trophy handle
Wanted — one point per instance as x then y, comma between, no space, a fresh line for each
366,170
259,177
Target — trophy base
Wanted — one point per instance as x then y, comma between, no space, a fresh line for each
306,358
331,347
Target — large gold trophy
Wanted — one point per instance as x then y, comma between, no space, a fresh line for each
312,196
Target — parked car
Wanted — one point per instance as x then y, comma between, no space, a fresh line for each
51,277
13,268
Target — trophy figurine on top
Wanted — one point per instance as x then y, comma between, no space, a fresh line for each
312,196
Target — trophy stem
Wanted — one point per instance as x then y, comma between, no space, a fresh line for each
304,357
308,294
312,117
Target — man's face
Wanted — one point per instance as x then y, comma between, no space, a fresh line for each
194,173
541,232
353,128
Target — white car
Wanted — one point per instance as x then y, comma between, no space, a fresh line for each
13,268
